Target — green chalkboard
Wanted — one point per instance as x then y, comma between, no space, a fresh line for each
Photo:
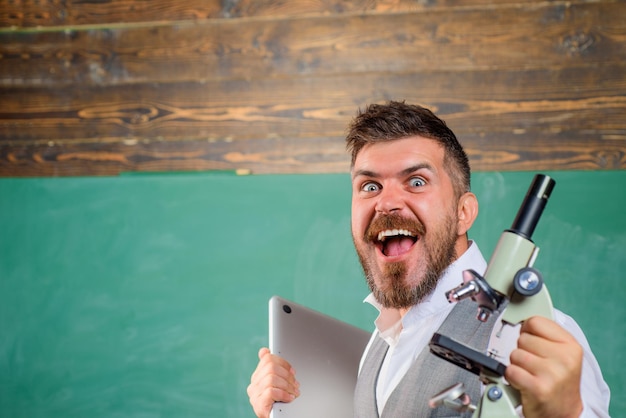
146,296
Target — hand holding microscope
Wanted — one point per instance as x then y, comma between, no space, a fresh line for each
510,286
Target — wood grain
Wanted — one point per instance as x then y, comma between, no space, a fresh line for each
270,87
512,152
52,13
481,101
527,36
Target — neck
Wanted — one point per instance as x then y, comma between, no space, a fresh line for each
462,244
403,311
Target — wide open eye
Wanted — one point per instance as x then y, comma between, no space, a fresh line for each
417,182
370,186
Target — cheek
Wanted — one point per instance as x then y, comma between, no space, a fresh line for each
431,212
357,231
358,220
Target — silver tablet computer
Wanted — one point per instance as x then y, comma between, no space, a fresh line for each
324,351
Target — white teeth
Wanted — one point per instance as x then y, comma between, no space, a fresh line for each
393,232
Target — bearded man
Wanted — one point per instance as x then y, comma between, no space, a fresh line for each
411,211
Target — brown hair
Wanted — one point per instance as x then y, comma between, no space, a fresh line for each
397,120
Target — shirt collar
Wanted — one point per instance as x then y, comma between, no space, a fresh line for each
389,322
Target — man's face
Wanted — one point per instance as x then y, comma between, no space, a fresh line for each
404,218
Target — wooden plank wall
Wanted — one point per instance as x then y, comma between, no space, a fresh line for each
108,86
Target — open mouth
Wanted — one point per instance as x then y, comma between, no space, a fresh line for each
395,242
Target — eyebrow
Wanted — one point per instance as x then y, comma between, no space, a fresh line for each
405,172
417,167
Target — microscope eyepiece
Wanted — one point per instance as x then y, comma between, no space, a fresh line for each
532,206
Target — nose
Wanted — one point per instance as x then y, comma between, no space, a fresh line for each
390,200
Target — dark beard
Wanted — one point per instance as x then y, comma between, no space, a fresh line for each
440,253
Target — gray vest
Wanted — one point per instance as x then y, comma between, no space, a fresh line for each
428,375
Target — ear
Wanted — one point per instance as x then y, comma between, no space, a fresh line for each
467,212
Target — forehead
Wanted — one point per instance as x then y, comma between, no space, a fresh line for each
397,155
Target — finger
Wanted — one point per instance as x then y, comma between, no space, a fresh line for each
546,340
266,356
273,381
546,369
538,346
547,386
541,366
263,351
277,389
519,377
272,376
546,328
273,365
530,373
531,363
544,359
262,401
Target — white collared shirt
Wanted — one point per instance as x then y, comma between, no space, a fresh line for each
407,336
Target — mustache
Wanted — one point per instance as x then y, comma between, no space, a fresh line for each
393,221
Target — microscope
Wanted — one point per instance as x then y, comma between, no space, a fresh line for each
511,287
